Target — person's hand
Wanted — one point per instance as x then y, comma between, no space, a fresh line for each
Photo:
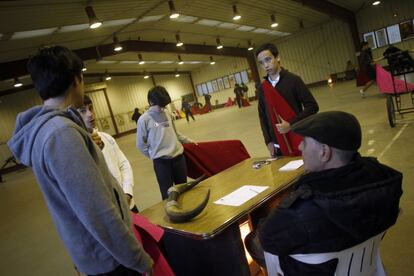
97,140
271,147
283,127
150,271
128,198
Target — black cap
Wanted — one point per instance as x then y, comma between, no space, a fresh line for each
336,129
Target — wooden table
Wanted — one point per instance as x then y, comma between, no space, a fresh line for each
210,244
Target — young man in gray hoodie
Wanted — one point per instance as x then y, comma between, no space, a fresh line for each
86,203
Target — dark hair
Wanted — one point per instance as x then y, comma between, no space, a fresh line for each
158,95
86,100
268,46
363,43
53,70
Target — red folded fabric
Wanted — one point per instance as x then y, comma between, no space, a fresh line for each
149,235
385,85
210,158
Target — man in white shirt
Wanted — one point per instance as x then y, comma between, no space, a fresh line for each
115,159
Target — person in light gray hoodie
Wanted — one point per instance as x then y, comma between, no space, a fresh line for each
158,139
86,203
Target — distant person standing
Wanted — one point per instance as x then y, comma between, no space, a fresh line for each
245,89
284,99
238,91
366,66
136,115
186,107
207,99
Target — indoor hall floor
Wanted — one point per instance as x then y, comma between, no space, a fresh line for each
30,244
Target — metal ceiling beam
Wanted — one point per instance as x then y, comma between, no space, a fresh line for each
12,69
338,12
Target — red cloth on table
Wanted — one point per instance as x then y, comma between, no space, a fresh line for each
245,102
210,158
229,102
385,85
149,235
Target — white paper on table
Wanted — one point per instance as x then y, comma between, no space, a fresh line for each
292,165
241,195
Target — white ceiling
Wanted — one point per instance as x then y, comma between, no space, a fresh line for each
64,22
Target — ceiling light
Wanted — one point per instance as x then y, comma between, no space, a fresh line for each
146,75
173,12
176,73
208,22
94,22
107,76
178,39
73,28
273,24
186,19
17,82
236,15
180,61
375,3
249,45
117,45
140,60
33,33
119,22
219,45
84,69
212,62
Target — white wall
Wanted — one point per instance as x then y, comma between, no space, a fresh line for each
372,18
315,53
222,68
10,106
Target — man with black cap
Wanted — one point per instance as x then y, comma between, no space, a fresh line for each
158,139
341,201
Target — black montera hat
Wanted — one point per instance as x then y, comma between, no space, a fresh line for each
336,129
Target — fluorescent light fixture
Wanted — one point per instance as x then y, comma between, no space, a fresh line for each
236,15
185,19
129,62
73,28
107,61
273,21
180,61
277,33
219,45
150,18
176,73
208,22
117,45
212,62
226,25
261,31
94,22
245,28
249,46
193,62
166,62
376,3
173,12
178,39
140,59
118,22
107,76
33,33
17,83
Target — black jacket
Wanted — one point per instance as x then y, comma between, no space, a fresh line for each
332,210
294,91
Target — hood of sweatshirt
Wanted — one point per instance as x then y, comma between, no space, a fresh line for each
28,124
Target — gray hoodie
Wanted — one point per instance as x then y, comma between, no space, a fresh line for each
86,204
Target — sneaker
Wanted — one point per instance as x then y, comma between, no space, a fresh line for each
362,93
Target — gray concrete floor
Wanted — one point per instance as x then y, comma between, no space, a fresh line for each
31,246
